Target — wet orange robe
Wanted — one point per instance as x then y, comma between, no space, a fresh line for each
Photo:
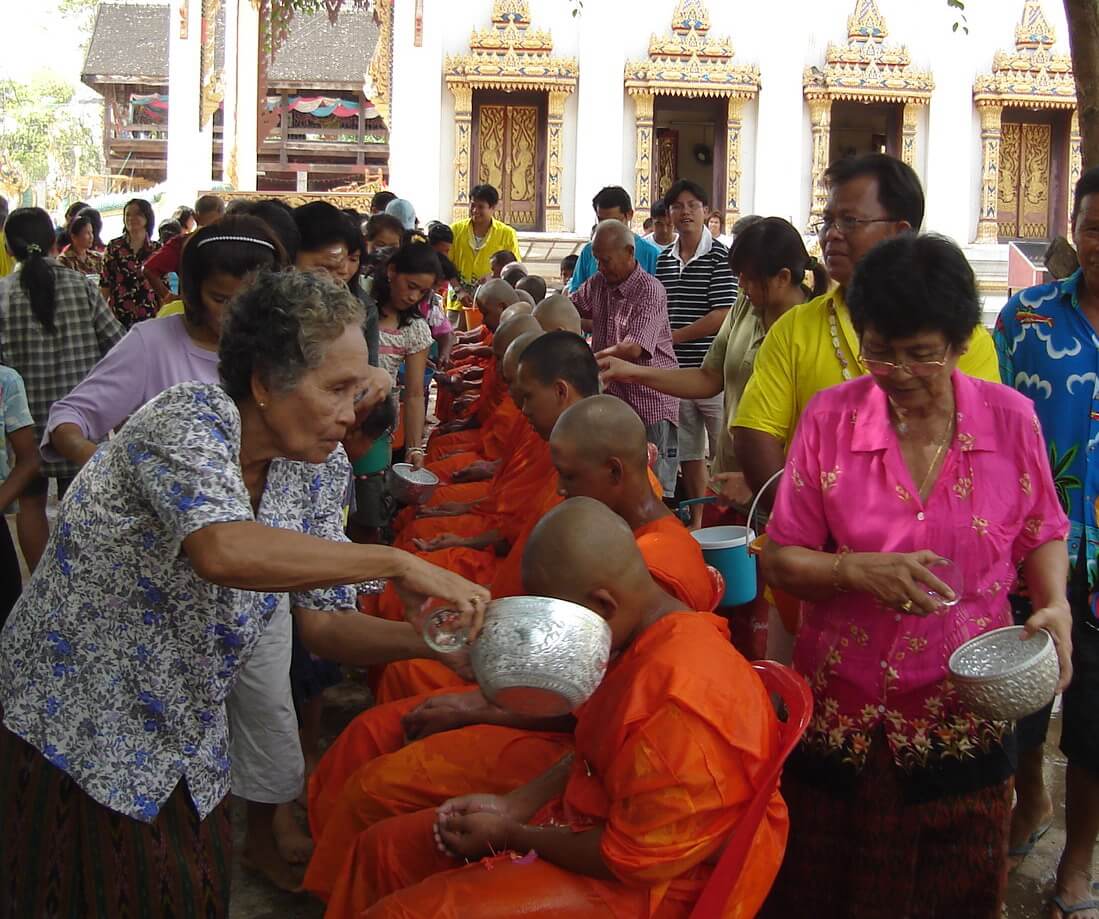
494,390
669,751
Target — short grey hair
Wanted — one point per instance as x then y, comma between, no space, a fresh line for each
280,327
616,233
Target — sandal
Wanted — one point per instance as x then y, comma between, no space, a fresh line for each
1024,849
1071,909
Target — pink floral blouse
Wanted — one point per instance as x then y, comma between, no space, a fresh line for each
846,487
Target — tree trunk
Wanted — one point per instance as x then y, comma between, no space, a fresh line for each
1083,38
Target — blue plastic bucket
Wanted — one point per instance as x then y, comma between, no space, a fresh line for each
726,549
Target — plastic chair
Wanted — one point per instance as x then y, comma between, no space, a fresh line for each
797,701
717,581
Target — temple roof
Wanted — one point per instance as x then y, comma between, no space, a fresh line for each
130,45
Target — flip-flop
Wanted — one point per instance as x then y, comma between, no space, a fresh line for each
1024,849
1071,909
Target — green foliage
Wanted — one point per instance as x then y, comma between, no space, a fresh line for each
42,139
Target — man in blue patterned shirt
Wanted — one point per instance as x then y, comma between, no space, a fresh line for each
1049,350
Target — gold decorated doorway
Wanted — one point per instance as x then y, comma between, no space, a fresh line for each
509,153
1031,195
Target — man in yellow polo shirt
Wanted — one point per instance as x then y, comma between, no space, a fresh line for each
476,240
814,346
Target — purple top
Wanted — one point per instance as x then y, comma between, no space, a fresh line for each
152,357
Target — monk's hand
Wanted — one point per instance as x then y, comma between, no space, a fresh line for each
1057,620
475,826
628,351
731,488
446,713
901,581
480,471
616,370
420,580
445,541
450,509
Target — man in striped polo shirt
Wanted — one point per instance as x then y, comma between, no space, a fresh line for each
701,289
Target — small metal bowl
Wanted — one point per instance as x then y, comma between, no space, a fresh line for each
540,656
410,485
1000,677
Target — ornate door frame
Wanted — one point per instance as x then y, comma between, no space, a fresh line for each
488,98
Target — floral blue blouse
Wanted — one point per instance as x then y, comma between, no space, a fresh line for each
117,659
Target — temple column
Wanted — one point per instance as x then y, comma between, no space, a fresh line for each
820,121
463,154
190,145
732,161
1075,163
239,124
643,166
987,225
909,117
555,125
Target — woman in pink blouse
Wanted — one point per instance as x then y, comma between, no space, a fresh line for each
899,797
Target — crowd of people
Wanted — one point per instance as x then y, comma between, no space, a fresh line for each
219,399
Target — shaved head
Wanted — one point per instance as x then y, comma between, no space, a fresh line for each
613,233
513,273
534,286
525,297
601,428
554,372
522,308
492,299
557,314
583,552
510,365
511,330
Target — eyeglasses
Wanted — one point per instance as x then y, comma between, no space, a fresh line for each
848,225
921,369
679,207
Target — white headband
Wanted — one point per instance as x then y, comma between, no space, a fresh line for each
235,239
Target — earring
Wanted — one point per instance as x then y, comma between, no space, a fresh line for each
262,405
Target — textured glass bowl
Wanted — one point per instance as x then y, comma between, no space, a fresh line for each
540,656
410,485
1003,678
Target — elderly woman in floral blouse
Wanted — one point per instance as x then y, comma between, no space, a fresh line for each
173,549
902,487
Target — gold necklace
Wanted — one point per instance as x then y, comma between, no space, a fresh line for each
902,428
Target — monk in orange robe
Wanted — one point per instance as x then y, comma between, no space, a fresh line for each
669,752
600,447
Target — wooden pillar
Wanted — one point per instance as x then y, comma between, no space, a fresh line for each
643,165
463,140
556,115
909,117
1075,163
987,226
732,161
820,121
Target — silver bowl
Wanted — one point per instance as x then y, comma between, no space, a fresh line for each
540,656
1002,678
410,485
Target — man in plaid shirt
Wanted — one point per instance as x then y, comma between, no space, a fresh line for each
628,309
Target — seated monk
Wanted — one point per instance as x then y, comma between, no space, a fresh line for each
519,308
669,751
525,297
599,448
558,314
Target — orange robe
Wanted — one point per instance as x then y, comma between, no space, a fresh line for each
670,749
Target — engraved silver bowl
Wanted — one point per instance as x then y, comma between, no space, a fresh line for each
410,485
540,656
1002,678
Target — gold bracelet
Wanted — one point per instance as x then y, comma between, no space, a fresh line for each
836,586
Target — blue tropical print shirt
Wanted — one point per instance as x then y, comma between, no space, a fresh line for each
117,659
1049,351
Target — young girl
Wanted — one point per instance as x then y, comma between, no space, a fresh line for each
400,285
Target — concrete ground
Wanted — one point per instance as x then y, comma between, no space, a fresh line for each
1028,892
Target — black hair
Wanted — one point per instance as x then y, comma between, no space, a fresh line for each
612,196
1087,184
899,191
485,193
169,229
73,209
438,232
30,235
413,258
647,223
279,217
355,244
770,244
568,263
321,224
380,420
184,214
146,211
720,217
502,258
380,200
449,271
88,216
659,210
562,356
206,253
3,211
681,186
209,204
911,284
381,223
539,285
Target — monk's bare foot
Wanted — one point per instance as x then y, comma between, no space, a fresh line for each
1073,887
262,857
294,844
311,761
1027,827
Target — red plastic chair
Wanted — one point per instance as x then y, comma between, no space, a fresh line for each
797,701
717,580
